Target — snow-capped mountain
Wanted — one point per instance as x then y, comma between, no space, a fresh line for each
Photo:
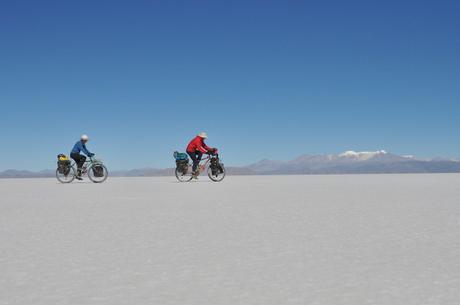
354,162
362,155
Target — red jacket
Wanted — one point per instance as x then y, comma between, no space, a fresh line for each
198,144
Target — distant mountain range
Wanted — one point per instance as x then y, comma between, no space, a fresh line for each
352,162
349,162
13,173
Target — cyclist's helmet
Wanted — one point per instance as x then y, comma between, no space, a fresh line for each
84,138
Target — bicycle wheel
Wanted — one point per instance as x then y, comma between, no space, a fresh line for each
66,177
98,173
217,176
184,176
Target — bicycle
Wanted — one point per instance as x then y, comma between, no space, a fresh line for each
211,164
96,171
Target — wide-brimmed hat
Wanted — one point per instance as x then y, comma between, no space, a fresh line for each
203,135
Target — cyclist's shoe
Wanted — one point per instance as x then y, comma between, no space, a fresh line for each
195,174
78,176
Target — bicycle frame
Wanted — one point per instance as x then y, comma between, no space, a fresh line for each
202,166
204,161
88,162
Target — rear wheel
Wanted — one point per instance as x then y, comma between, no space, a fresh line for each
98,175
184,175
217,176
66,177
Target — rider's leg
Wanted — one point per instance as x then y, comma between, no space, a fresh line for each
79,160
196,158
199,155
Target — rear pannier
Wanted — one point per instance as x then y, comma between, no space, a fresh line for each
181,161
180,156
63,164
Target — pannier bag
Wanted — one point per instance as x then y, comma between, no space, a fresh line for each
216,167
63,164
98,170
182,166
181,162
180,156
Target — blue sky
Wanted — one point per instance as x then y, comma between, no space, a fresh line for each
265,79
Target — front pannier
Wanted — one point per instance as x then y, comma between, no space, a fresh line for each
98,171
216,167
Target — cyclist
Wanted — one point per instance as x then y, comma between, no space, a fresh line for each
80,146
196,148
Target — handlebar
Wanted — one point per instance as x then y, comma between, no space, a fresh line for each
214,152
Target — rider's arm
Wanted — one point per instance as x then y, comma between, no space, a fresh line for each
202,147
85,150
205,148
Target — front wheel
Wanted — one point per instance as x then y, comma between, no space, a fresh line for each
67,176
184,175
98,173
218,175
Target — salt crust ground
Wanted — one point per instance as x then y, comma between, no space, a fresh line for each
329,240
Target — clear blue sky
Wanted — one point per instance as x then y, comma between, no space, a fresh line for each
265,79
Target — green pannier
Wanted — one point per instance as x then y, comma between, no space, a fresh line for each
180,156
181,162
